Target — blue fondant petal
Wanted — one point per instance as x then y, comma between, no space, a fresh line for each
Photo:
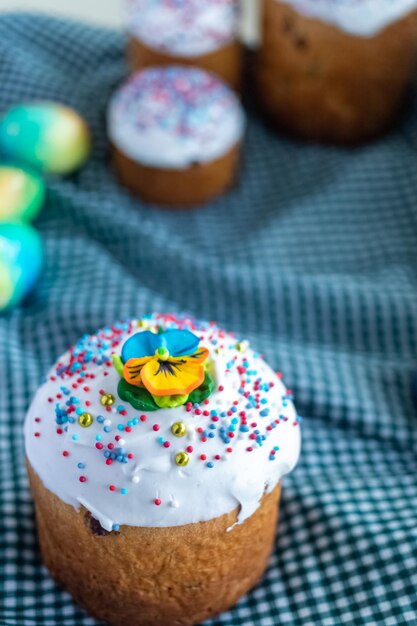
180,342
140,345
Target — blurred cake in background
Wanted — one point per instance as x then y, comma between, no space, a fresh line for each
336,70
176,134
189,32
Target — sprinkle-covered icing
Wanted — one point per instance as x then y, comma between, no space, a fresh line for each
169,467
357,17
173,117
187,28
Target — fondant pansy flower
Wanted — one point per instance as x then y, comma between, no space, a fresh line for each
166,364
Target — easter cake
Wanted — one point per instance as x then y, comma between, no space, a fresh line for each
175,134
155,450
186,32
336,70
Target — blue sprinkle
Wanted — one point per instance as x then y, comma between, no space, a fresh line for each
81,465
99,437
100,419
211,435
123,491
264,412
107,429
74,437
210,464
116,527
120,427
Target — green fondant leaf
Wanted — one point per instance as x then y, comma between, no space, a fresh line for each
203,391
138,397
170,402
118,364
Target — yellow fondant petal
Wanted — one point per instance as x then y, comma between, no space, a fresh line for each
175,376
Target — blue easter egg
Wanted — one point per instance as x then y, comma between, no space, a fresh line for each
46,136
21,260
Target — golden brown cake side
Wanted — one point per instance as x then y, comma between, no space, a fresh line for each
321,83
175,576
179,188
226,62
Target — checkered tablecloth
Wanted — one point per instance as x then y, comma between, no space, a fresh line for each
313,257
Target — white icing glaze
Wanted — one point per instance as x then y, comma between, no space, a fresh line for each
189,28
172,117
363,18
188,494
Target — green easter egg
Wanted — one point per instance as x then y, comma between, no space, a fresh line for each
46,136
22,194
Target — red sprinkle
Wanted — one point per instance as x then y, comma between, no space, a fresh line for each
128,429
155,427
65,453
143,418
109,461
99,445
83,479
189,449
112,488
158,502
37,434
166,444
203,457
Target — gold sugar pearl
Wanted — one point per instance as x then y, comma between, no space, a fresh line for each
242,346
182,459
107,399
179,429
85,420
143,324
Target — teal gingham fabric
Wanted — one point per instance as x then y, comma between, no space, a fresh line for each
313,257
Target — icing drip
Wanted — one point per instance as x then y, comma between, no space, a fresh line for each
358,17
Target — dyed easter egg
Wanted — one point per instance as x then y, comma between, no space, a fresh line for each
20,262
22,194
45,135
